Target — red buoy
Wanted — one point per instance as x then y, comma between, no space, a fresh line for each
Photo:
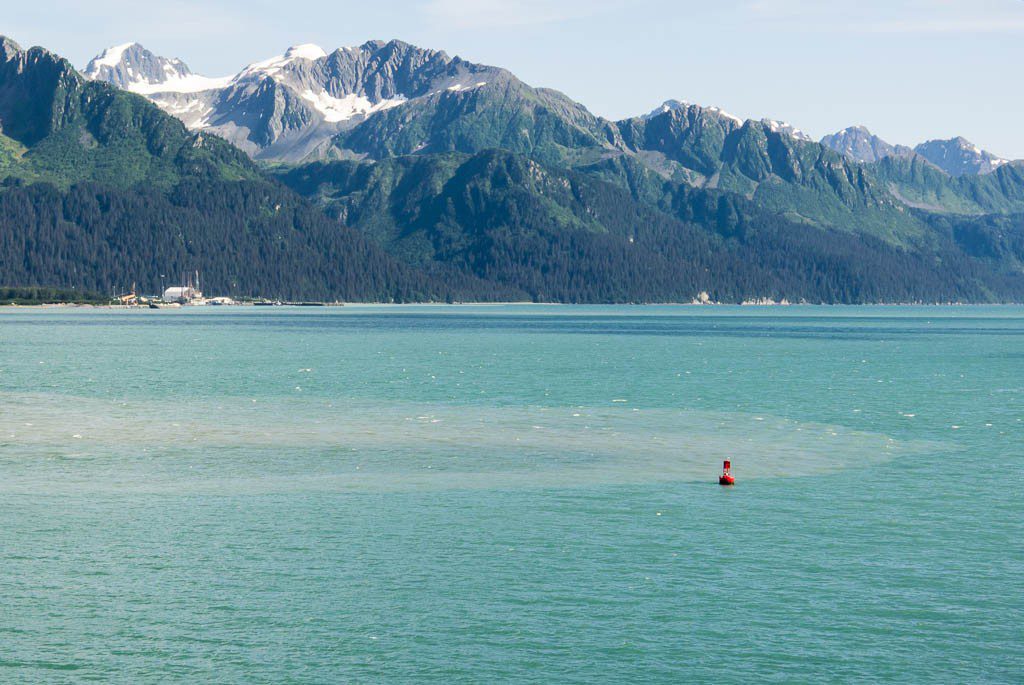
726,478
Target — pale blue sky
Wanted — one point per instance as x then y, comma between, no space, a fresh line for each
908,69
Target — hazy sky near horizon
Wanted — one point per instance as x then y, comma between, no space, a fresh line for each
909,70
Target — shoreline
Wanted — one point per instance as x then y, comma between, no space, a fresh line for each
356,305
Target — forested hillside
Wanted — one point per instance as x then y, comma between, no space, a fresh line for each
55,126
569,236
247,238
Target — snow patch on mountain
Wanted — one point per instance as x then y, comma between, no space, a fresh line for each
462,86
194,113
682,105
307,51
110,57
786,129
344,108
723,113
193,83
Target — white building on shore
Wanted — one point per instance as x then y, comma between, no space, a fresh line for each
181,294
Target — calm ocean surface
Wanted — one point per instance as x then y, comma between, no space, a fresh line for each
512,494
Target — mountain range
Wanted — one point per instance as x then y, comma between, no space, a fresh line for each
289,108
956,156
388,171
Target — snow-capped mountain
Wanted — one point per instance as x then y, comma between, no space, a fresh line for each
959,157
786,129
289,107
860,145
683,106
133,67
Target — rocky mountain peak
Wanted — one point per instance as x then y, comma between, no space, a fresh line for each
959,157
785,129
10,51
8,48
861,145
683,106
133,67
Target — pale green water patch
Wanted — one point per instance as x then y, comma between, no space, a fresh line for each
78,444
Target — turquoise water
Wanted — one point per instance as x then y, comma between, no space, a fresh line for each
499,494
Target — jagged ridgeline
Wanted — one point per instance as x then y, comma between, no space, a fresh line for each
387,171
378,99
102,189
